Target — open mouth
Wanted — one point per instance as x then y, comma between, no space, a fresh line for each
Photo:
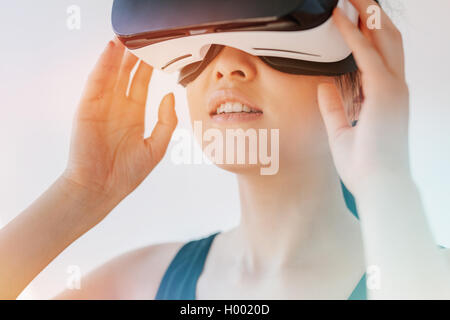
230,107
235,111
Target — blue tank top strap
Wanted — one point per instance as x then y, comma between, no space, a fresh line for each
180,279
360,291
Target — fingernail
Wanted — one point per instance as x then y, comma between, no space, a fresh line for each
116,40
170,96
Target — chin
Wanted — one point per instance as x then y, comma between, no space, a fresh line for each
257,169
251,169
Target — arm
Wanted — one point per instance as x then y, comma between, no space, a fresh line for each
109,157
41,232
398,241
373,161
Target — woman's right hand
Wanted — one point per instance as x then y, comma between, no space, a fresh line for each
109,154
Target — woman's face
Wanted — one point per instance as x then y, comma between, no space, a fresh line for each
282,101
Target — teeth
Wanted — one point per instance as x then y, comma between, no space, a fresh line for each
230,107
237,107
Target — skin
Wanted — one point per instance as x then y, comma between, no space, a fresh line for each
296,239
283,220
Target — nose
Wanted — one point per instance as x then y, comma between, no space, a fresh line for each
234,65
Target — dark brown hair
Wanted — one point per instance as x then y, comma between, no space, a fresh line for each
350,86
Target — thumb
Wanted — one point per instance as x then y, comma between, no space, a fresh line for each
161,134
332,110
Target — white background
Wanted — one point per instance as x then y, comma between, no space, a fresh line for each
43,67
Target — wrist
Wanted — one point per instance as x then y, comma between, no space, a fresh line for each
92,204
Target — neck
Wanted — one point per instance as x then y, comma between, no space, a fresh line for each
289,219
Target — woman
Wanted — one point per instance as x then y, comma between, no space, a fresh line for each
297,239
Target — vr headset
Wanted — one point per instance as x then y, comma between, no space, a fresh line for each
292,36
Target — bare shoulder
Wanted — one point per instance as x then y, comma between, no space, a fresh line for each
133,275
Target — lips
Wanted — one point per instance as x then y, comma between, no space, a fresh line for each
232,105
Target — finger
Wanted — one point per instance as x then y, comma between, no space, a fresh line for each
161,134
103,77
139,85
367,58
362,7
332,109
128,62
386,39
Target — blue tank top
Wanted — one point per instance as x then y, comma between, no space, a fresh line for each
180,279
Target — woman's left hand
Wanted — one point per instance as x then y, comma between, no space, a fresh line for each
377,147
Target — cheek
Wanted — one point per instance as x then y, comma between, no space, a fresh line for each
294,104
296,113
302,137
194,101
